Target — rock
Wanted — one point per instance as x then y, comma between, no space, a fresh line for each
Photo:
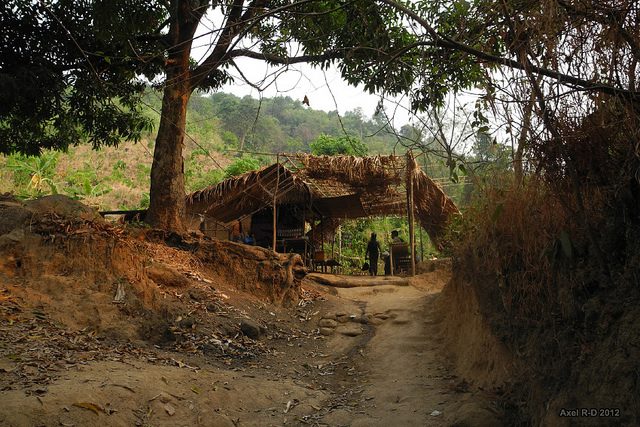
197,294
331,316
187,323
327,323
375,321
164,397
251,329
167,276
326,331
342,318
350,330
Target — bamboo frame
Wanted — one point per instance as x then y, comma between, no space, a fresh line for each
275,204
410,211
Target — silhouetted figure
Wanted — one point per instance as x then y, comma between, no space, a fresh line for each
373,252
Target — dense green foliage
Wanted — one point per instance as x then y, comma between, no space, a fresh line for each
279,124
215,127
67,73
331,146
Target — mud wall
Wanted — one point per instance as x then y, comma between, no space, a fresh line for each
478,355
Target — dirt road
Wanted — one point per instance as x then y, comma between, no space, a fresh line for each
405,378
361,356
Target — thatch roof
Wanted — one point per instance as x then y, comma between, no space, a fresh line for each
331,186
236,197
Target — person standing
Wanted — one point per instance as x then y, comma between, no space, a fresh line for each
373,252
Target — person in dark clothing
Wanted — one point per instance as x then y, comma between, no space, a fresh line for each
373,252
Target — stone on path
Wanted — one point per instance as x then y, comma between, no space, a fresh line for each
327,323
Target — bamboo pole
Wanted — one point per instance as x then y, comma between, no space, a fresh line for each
391,257
275,197
410,213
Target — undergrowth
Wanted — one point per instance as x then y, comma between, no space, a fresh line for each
554,266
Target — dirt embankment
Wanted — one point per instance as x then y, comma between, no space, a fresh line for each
542,378
100,323
58,253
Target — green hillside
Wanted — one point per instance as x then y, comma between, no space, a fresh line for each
226,135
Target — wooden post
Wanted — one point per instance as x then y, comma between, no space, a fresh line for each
421,246
324,263
391,257
340,248
275,201
412,238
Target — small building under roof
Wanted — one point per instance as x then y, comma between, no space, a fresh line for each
320,191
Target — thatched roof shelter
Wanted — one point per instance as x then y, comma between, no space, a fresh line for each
341,187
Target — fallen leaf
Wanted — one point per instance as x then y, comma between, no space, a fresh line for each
126,387
195,389
90,406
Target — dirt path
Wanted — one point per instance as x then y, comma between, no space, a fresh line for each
406,380
360,356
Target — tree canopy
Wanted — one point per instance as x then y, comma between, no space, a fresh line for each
75,71
87,74
331,146
68,73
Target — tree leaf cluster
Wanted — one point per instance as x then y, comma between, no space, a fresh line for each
68,73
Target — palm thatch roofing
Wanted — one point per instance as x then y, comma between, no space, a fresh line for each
342,187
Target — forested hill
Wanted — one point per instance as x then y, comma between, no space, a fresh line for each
218,127
279,124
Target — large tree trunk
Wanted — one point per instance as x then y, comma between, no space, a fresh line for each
167,196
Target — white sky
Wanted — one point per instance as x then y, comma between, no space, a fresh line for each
300,80
326,90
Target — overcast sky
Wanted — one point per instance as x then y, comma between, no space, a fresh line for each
326,90
300,80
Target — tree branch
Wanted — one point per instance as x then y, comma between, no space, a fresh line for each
606,20
232,29
446,42
275,59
